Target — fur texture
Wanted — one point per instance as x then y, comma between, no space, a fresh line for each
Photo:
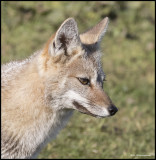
40,93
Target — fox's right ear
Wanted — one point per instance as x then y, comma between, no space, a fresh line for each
66,38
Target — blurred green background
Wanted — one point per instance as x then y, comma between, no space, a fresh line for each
128,61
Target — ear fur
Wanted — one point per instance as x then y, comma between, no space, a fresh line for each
96,33
66,38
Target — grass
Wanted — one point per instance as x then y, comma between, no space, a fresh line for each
128,61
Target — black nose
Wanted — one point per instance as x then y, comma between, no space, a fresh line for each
112,109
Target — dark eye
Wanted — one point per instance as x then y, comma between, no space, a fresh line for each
104,78
103,81
84,81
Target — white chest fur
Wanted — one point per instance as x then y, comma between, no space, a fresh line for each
50,131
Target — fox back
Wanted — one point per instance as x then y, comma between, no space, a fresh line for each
39,94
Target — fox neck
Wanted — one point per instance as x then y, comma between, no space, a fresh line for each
31,121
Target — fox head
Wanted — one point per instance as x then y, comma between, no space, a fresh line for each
70,65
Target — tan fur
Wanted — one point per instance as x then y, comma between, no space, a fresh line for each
94,34
40,93
45,55
26,113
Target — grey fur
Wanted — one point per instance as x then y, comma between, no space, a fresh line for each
57,100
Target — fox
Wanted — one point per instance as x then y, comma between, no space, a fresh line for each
40,93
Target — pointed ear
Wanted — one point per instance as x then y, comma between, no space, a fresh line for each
96,33
66,38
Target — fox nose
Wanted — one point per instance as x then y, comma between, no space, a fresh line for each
112,109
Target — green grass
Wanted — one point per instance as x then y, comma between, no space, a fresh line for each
128,61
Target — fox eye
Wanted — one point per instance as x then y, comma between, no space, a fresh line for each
104,78
84,81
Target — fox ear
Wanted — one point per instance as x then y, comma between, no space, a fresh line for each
96,33
66,38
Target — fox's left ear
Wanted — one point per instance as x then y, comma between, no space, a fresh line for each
66,38
96,33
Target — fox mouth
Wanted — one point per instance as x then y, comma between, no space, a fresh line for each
83,110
